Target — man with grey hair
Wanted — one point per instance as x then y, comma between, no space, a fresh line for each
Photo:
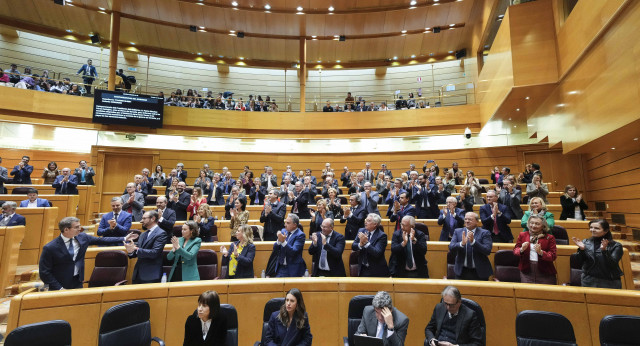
117,222
472,247
383,321
288,249
496,218
269,180
182,173
66,183
326,248
133,202
62,259
299,201
354,217
408,251
9,216
450,218
453,323
371,243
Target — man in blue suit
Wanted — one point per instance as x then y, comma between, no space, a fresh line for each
371,243
369,199
89,73
400,209
22,171
149,250
272,216
496,218
9,216
472,247
326,248
116,222
62,259
450,219
66,183
34,201
216,193
289,247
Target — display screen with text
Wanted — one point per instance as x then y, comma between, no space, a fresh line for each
115,107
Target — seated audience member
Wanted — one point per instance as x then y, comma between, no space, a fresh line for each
441,193
318,216
371,243
408,251
369,199
4,78
536,188
84,173
171,181
216,194
206,326
289,325
326,249
465,200
239,257
327,107
50,173
140,185
401,103
450,219
239,216
472,247
573,206
537,251
394,193
601,257
116,222
272,216
354,216
383,107
14,74
197,199
400,209
203,182
22,171
361,107
453,323
383,321
158,177
449,181
74,90
133,202
349,100
473,188
166,216
33,201
537,207
184,254
299,201
179,201
205,220
66,183
61,263
9,216
288,249
496,219
496,175
510,196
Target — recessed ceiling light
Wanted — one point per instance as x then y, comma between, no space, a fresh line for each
232,31
313,36
526,98
241,58
331,8
132,43
299,8
412,7
101,8
199,53
573,92
234,3
560,105
530,125
202,30
452,25
509,118
339,61
501,16
319,61
69,30
515,125
404,31
635,139
413,2
267,6
613,148
436,0
450,52
413,56
427,29
517,109
395,58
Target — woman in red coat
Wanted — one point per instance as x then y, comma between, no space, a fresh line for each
536,266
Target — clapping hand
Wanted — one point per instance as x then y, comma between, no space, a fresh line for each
364,239
537,249
604,244
405,238
112,223
224,251
175,242
578,242
314,239
324,238
313,214
396,206
267,208
131,237
281,237
524,246
347,212
197,218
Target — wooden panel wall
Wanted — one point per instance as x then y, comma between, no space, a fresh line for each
40,159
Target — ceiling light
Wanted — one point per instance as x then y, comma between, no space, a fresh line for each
314,39
413,56
132,43
69,30
199,3
202,30
241,58
232,31
339,61
573,92
404,31
331,8
452,25
436,0
199,53
501,16
530,125
450,52
517,109
299,8
509,118
395,58
267,7
336,36
427,29
220,56
234,3
313,36
635,139
526,98
515,125
413,2
560,105
613,148
101,8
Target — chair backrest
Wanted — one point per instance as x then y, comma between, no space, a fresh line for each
356,306
543,328
483,181
272,305
153,191
20,190
189,190
354,265
423,228
343,200
451,262
177,231
560,233
126,324
575,276
47,333
256,234
166,264
207,264
478,309
619,330
506,266
231,315
525,200
110,268
150,200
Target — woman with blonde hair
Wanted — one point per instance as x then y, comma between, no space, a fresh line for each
318,216
537,207
537,251
205,221
473,187
239,257
333,203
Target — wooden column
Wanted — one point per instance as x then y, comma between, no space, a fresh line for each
115,42
303,72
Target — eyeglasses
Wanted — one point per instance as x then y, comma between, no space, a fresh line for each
450,305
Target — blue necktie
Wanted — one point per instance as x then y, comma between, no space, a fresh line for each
381,332
83,179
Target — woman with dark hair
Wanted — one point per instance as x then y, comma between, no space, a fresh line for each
537,251
473,188
184,254
206,327
239,257
50,173
203,182
290,325
158,177
239,216
573,205
601,255
248,181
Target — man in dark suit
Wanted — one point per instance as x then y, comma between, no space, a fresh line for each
424,197
179,201
327,107
257,194
369,199
216,195
133,202
510,196
367,173
89,73
4,177
9,216
272,216
269,180
66,183
307,173
472,247
22,171
33,201
299,201
394,193
345,176
326,248
408,251
450,219
149,250
84,173
354,217
227,183
400,209
289,247
116,222
371,242
383,321
440,192
166,216
452,323
182,173
496,219
385,171
62,259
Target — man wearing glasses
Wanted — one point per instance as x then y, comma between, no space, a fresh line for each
453,323
326,248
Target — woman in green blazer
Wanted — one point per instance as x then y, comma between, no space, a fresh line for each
537,207
185,254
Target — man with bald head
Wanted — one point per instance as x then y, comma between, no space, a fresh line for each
408,251
66,183
166,216
133,202
326,248
179,201
472,247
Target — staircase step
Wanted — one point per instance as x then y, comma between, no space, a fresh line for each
636,283
4,309
634,256
632,246
635,269
26,273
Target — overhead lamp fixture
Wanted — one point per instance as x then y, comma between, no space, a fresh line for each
267,7
527,98
241,58
451,25
132,43
299,8
450,52
69,30
331,8
413,56
339,61
404,31
234,3
395,58
193,28
343,38
240,34
413,2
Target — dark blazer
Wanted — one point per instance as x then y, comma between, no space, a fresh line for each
292,252
57,266
40,203
219,197
205,229
149,254
513,202
70,185
369,326
445,221
88,176
182,175
277,333
257,194
216,336
265,183
370,204
355,221
92,71
372,254
504,219
301,202
4,177
180,207
421,199
481,251
569,205
398,259
274,221
168,184
168,220
316,222
245,261
123,224
468,330
22,176
16,220
226,188
335,248
609,259
397,218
